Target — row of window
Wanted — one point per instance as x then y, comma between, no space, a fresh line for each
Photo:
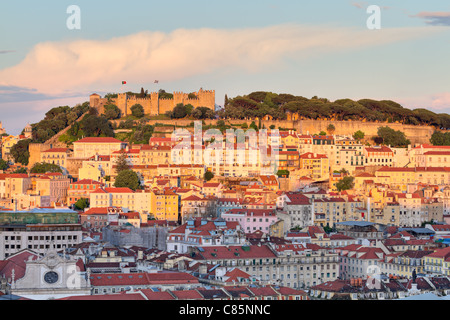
41,238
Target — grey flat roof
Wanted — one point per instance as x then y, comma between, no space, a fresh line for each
43,210
418,230
356,223
425,296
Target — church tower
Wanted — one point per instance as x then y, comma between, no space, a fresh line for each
28,131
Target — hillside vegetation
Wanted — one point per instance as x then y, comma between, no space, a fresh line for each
261,103
254,105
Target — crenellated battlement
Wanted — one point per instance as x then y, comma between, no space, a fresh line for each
153,105
134,98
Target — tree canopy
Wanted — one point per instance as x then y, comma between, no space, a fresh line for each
81,204
137,110
127,179
3,164
208,175
20,153
440,138
122,163
42,167
112,112
346,183
359,135
261,103
392,137
55,120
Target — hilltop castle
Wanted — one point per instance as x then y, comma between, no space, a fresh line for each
152,104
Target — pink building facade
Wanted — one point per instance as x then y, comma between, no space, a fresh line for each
252,220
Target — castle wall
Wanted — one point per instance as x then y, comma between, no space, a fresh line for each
416,134
35,150
154,106
166,105
179,97
146,103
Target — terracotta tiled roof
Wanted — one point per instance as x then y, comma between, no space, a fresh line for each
113,279
234,252
16,262
311,155
211,185
87,181
235,274
379,149
437,153
339,236
192,198
107,297
57,150
98,140
119,190
152,295
297,199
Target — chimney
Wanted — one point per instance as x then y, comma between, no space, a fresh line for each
203,269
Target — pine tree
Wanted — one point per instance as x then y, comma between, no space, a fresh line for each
122,163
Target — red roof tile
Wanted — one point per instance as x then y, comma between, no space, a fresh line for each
98,140
57,150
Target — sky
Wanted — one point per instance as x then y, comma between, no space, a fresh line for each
310,48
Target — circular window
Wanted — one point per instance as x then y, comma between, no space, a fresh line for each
51,277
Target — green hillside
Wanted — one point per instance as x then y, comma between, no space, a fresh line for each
261,103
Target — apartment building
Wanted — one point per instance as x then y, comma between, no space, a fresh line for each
38,230
252,220
316,165
291,265
91,146
204,232
358,261
81,189
297,208
379,156
57,156
438,262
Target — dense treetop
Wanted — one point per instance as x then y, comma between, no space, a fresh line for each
55,120
261,103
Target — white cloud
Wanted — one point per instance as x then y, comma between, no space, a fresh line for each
57,68
441,102
438,102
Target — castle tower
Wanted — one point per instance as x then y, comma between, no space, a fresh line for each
207,98
94,100
178,97
154,103
28,131
121,103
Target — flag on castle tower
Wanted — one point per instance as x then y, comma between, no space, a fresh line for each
124,82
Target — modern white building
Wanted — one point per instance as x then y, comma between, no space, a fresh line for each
38,230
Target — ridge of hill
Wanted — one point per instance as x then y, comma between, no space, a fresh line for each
290,107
